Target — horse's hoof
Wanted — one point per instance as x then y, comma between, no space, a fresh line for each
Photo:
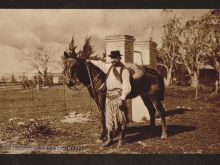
102,139
107,143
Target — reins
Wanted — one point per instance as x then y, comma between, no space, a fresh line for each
91,85
93,88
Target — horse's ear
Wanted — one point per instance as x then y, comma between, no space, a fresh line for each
74,55
66,55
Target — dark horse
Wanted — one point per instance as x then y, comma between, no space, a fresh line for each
150,87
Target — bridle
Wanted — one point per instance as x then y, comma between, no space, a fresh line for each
90,85
68,74
73,79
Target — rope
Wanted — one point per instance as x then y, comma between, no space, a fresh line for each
93,90
64,96
90,104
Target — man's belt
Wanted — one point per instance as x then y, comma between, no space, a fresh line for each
113,93
114,89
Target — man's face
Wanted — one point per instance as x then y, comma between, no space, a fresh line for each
113,60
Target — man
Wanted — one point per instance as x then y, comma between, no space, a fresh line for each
118,87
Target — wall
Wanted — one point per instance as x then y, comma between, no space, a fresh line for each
123,43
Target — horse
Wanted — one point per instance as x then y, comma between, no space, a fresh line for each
94,79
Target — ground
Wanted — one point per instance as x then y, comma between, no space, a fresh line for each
34,119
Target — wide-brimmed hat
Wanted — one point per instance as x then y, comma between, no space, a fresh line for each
115,54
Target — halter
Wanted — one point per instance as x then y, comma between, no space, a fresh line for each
91,84
91,81
69,73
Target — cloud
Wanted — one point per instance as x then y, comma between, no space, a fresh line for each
20,28
25,39
9,60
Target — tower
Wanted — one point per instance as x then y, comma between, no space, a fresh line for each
123,43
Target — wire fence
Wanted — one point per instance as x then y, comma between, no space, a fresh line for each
29,80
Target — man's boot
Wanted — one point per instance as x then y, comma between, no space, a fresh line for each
109,141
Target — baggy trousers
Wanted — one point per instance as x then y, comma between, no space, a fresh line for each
115,115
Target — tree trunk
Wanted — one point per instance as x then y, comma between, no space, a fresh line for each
45,77
169,76
216,87
195,83
196,95
195,80
38,83
189,71
217,82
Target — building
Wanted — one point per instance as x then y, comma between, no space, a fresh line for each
123,43
145,53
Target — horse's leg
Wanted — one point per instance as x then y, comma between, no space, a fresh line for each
151,109
102,98
159,106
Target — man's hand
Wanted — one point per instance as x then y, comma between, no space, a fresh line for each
121,104
88,60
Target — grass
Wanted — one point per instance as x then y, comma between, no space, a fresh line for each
193,126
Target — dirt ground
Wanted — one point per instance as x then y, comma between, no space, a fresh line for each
33,122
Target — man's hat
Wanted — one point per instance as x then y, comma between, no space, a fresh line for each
115,54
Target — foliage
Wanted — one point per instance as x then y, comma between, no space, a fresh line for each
87,49
169,52
171,42
196,43
85,53
43,58
72,48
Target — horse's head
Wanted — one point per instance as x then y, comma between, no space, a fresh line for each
70,69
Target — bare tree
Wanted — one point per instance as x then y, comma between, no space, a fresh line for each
211,23
200,40
42,58
170,46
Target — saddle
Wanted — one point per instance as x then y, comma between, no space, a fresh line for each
142,79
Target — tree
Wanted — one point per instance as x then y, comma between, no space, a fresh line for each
13,79
85,53
43,57
170,46
211,24
72,47
3,79
200,41
88,49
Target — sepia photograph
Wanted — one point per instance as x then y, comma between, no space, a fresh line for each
109,81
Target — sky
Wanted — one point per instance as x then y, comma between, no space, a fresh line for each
24,28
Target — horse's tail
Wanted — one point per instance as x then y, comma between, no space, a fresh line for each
161,92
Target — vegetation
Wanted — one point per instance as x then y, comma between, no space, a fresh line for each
42,58
194,44
36,120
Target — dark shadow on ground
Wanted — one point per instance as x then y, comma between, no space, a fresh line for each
214,99
138,133
175,111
